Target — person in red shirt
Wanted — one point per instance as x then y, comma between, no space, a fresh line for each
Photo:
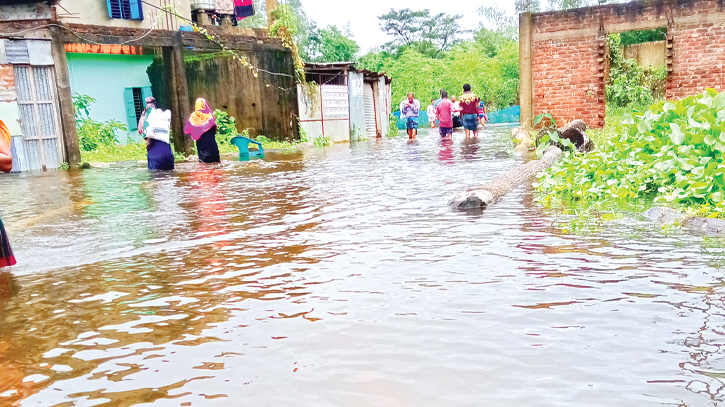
469,111
443,113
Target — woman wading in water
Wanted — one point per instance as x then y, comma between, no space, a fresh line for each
201,126
6,165
154,126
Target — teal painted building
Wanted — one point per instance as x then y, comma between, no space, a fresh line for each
119,83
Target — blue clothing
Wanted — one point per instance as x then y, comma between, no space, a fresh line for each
445,131
160,156
470,121
412,123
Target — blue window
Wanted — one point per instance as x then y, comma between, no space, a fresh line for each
125,9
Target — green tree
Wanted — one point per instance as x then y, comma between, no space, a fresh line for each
492,41
336,47
496,19
532,6
428,34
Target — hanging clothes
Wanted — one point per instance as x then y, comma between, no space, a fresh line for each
243,9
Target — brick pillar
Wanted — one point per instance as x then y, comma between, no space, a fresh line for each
526,85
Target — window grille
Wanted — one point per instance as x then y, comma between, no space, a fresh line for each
138,105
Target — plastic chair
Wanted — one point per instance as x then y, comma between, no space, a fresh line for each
242,144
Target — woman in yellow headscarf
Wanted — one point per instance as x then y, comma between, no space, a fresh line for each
202,128
6,165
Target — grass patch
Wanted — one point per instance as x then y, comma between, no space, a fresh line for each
118,152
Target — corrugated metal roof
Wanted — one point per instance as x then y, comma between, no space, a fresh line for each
16,52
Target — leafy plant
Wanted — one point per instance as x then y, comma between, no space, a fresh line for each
321,141
285,26
392,127
226,126
93,134
673,152
630,84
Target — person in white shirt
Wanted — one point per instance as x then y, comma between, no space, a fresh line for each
456,112
432,114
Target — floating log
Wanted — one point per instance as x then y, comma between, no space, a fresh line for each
481,197
491,191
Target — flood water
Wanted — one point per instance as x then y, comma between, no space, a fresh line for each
339,277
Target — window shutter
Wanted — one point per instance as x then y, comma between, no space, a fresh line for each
130,109
136,9
145,93
110,8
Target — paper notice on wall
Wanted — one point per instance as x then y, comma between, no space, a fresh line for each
357,87
335,102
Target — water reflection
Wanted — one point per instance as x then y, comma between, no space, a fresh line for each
341,275
446,152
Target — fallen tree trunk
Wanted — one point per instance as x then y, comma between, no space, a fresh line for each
696,225
491,191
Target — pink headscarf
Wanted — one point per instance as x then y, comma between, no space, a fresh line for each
200,121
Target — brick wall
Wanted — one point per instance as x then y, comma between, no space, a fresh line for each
569,88
698,60
568,64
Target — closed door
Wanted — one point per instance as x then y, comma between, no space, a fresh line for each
40,149
371,127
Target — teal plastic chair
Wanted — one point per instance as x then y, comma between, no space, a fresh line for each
242,144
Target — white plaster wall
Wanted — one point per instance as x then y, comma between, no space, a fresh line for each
95,12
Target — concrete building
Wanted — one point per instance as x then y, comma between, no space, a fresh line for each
144,14
51,50
345,104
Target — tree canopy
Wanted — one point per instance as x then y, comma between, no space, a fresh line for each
430,34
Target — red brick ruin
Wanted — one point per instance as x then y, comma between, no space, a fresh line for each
563,54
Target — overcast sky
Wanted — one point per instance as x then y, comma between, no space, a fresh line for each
362,15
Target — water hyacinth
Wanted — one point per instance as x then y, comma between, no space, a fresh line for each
671,153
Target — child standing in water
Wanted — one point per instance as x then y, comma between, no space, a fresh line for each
6,165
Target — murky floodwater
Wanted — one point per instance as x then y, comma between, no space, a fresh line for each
341,278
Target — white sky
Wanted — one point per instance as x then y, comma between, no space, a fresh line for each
362,15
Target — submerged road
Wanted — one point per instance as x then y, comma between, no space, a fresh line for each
340,277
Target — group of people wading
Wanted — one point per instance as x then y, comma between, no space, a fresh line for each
155,125
469,112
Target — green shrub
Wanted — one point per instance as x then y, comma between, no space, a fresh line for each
93,134
226,126
630,84
673,152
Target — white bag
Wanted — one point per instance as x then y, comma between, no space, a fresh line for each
159,123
